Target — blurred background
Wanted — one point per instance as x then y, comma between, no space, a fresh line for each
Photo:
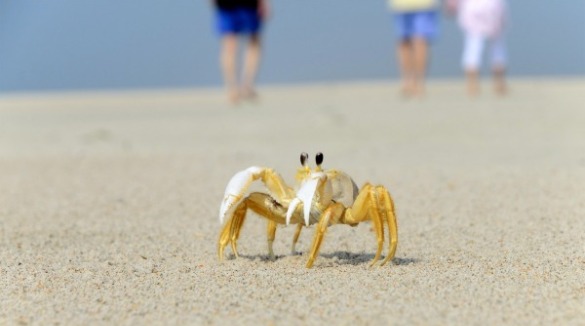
133,44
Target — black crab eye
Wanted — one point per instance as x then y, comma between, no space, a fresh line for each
304,158
319,158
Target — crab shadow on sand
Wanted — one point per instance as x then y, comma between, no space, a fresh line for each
349,258
342,257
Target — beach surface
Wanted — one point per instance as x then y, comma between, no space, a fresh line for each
109,206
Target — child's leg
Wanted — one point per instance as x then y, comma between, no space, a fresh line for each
229,49
406,63
499,63
403,24
471,60
425,29
500,86
420,49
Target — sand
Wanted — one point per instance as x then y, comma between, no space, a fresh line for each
109,206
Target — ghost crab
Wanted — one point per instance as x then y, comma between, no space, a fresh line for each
323,197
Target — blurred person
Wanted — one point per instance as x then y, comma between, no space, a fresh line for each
416,23
237,19
483,23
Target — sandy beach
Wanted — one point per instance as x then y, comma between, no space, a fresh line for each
109,206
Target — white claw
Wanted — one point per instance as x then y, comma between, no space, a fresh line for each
228,203
291,209
305,195
235,189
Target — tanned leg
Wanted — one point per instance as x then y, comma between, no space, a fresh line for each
251,65
420,63
499,75
406,65
472,77
228,55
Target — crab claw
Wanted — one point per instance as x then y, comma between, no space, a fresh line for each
234,192
305,195
291,209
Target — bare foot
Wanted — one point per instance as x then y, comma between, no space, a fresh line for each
419,90
248,93
408,89
472,89
233,97
501,89
473,82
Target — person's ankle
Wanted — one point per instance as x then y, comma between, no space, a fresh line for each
249,92
233,96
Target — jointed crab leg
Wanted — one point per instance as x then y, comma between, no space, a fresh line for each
296,237
234,205
330,216
261,204
372,203
271,232
365,208
387,210
231,231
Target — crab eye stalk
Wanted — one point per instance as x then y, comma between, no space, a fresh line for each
319,158
304,158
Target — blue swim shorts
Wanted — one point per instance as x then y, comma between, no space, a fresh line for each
238,21
416,24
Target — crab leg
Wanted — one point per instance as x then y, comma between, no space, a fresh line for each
231,231
268,208
239,218
261,204
224,239
365,208
271,232
330,216
368,208
379,228
390,217
296,237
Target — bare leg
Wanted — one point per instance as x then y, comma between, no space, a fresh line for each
500,80
471,61
498,55
229,49
420,54
472,82
251,65
406,63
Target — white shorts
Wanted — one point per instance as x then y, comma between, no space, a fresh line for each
474,48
